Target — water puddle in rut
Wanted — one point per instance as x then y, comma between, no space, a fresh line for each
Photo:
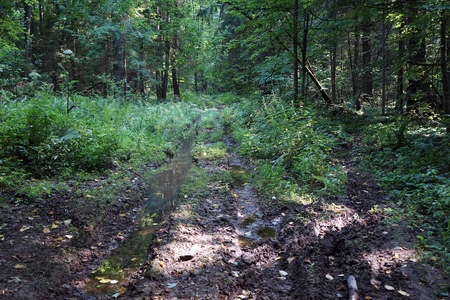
164,184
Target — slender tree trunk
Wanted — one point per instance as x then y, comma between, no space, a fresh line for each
304,49
295,54
118,59
383,54
445,69
41,17
27,28
400,75
367,82
356,69
333,54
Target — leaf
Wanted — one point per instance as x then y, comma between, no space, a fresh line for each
54,226
291,259
19,266
171,285
67,222
113,281
375,283
403,293
105,280
122,290
161,264
329,277
389,288
283,273
24,228
46,230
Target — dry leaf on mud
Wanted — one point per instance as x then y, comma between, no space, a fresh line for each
122,290
389,288
46,230
329,277
54,226
113,281
403,293
24,228
375,283
291,259
105,280
19,266
67,222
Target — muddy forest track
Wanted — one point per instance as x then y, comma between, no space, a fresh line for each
215,248
230,244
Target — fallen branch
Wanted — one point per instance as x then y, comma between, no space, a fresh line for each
352,288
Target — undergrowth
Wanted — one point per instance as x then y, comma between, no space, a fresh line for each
293,147
412,163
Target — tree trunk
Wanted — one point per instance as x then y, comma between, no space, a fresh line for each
333,54
367,80
295,54
400,73
445,70
41,17
27,28
356,70
304,48
383,54
118,59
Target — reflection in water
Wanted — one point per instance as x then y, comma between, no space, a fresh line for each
163,186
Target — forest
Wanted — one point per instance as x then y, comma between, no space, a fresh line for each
212,149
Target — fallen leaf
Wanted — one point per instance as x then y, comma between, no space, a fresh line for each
113,281
277,258
122,215
403,293
33,211
54,226
368,298
171,285
161,264
104,280
396,256
291,259
283,273
122,290
375,283
67,222
19,266
24,228
329,277
46,230
69,236
281,278
389,288
235,273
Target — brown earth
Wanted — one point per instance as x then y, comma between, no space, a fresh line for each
221,247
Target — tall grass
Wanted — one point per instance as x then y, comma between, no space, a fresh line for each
39,138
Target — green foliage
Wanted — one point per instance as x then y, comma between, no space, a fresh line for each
412,163
295,141
208,152
38,135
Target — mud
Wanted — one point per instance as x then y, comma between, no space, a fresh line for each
229,245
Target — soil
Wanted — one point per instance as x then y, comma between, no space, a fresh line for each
230,245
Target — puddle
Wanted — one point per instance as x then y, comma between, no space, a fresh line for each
266,232
244,241
248,221
240,175
164,184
